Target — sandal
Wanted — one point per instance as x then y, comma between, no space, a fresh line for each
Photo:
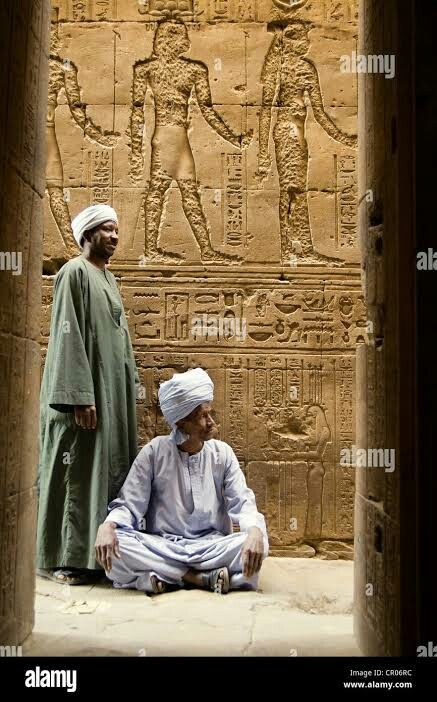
212,578
158,586
66,576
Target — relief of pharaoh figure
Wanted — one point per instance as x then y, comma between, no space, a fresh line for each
63,75
290,80
173,79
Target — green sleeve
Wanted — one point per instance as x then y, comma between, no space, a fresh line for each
71,381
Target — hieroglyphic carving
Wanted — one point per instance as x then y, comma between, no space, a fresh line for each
100,175
269,318
237,421
97,10
172,79
232,82
340,10
346,431
234,219
79,9
183,188
9,521
301,433
346,201
176,316
245,10
220,9
176,9
287,77
63,76
102,9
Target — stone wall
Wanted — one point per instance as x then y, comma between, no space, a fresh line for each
23,85
238,222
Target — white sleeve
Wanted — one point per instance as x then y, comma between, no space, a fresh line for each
132,501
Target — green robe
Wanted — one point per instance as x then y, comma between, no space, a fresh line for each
90,361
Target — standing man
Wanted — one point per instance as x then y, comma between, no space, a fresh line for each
88,434
190,489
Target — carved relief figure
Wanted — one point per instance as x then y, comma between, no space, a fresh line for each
289,79
63,74
173,79
306,435
319,435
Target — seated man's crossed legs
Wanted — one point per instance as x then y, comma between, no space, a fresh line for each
154,564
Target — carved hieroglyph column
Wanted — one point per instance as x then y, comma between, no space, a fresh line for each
224,133
23,85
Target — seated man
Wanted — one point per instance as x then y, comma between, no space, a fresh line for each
189,488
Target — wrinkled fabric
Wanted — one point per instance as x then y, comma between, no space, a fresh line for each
89,361
91,217
176,511
145,555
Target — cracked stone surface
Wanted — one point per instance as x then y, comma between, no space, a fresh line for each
303,608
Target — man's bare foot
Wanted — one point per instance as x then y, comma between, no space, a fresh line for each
215,580
218,580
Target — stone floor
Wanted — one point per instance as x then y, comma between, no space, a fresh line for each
303,608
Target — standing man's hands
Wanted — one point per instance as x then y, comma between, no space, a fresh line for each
107,545
85,416
252,552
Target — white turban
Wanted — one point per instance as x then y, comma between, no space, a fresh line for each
91,217
180,395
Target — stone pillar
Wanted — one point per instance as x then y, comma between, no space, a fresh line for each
384,509
23,86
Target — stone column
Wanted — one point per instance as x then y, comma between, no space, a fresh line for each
23,86
385,551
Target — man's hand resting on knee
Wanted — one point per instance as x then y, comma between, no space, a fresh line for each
107,545
252,552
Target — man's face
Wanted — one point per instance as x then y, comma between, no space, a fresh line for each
104,240
200,424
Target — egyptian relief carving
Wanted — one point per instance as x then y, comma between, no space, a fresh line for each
268,318
63,75
223,133
173,79
291,80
